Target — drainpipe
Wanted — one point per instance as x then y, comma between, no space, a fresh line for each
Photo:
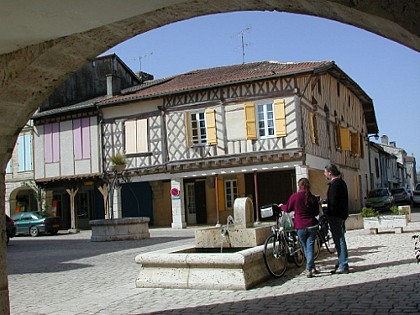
257,205
216,187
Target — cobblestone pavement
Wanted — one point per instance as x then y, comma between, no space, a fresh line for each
68,274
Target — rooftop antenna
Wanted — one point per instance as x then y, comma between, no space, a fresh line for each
243,44
140,58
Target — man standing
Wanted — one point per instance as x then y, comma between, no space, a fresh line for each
337,213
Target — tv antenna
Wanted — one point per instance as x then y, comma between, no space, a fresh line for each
243,44
140,58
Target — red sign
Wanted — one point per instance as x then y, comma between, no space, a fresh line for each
174,192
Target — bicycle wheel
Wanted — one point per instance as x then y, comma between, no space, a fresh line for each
328,242
298,254
317,246
275,256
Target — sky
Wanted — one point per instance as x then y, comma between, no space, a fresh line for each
387,71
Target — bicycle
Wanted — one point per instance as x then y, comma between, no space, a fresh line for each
281,246
324,237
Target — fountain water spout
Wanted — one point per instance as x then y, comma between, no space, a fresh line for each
224,232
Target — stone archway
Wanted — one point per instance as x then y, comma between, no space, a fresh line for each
22,199
34,64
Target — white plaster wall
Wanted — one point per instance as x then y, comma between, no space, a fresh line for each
140,107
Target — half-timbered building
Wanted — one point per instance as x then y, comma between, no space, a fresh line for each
194,142
67,141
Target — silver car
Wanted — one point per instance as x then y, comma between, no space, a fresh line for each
401,196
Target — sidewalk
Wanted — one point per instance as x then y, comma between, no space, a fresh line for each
68,274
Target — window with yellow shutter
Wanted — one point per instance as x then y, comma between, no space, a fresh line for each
197,131
265,120
345,139
211,126
313,128
280,116
250,121
355,144
337,136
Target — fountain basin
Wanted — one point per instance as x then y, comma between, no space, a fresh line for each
120,229
235,237
184,267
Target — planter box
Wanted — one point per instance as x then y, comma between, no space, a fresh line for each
386,222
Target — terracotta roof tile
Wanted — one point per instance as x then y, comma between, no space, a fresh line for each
219,76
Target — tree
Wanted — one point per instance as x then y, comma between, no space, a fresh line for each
40,195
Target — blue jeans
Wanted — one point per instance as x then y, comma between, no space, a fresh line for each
338,231
307,239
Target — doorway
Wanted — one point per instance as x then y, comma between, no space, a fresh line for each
195,202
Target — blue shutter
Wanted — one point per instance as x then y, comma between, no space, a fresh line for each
21,153
28,153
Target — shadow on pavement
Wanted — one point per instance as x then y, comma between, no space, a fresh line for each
397,295
40,255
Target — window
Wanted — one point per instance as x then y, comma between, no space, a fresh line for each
313,128
51,142
355,144
201,127
266,120
136,136
198,128
377,168
265,116
81,138
24,153
345,140
231,192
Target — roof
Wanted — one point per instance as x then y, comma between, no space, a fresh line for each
235,74
89,104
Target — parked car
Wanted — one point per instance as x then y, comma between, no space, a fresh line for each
379,199
34,223
10,229
416,195
401,196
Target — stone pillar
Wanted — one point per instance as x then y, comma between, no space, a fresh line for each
243,213
301,172
72,193
117,208
4,288
178,205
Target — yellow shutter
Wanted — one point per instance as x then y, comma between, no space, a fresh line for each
221,194
280,116
345,139
355,145
211,126
311,127
356,187
338,135
188,129
130,136
250,121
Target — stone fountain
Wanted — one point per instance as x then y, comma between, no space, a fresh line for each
226,257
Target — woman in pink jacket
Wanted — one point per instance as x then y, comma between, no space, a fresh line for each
306,208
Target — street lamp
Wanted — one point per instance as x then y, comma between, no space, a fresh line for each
370,168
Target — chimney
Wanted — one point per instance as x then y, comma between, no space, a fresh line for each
384,139
393,144
113,85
